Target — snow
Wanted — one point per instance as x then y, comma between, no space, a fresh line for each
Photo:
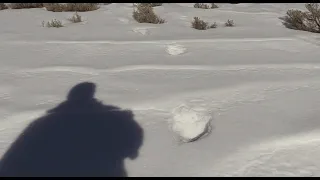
189,124
257,83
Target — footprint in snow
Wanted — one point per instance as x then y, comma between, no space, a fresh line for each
175,49
190,125
142,30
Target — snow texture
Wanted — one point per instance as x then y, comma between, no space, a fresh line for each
246,98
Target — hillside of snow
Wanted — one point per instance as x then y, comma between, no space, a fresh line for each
252,91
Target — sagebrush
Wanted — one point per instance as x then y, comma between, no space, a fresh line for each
76,18
145,14
199,24
201,6
305,21
53,23
229,23
71,7
214,25
25,5
3,6
213,6
205,6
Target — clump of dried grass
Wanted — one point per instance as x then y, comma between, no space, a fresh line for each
53,23
229,23
76,18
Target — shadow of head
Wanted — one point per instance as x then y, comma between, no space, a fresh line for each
82,92
79,137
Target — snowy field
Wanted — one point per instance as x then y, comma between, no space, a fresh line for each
256,85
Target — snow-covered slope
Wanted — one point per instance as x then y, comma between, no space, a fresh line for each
257,84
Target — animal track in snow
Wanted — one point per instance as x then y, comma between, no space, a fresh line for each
142,30
175,49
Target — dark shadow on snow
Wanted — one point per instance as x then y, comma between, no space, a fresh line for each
79,137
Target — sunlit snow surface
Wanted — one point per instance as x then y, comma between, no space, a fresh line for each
257,84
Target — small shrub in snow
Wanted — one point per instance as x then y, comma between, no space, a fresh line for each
3,6
213,6
53,23
306,21
205,6
199,24
25,5
214,25
145,14
71,7
229,23
201,6
76,18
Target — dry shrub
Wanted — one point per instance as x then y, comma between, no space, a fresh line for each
229,23
214,25
205,6
213,6
71,7
145,14
3,6
201,6
156,4
55,7
25,5
199,24
53,23
76,18
152,4
306,21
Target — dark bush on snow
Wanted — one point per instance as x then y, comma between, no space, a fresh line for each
199,24
3,6
25,5
145,14
305,21
71,7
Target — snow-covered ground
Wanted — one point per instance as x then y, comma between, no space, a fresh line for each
257,84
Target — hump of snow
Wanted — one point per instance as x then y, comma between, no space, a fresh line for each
189,124
175,49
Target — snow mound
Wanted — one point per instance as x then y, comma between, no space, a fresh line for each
189,124
175,49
